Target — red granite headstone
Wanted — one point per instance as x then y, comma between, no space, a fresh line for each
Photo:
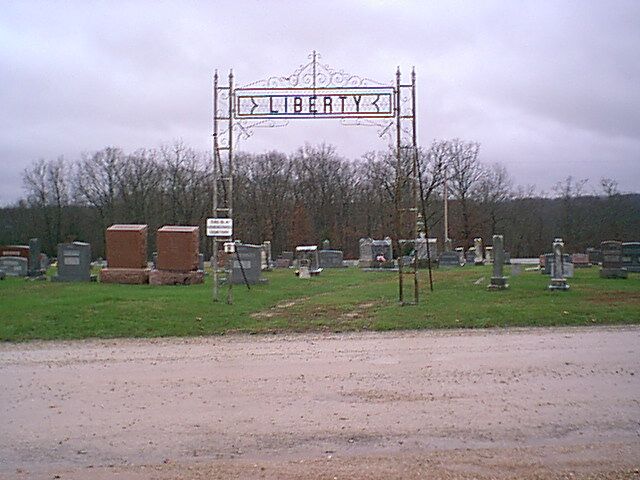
127,246
178,248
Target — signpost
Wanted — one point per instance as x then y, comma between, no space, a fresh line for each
219,227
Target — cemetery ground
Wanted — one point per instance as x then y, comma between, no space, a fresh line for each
337,300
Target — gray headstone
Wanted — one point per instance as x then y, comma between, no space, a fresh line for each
250,260
558,280
631,256
287,255
449,259
14,266
330,258
35,268
595,255
201,262
612,260
498,280
470,256
74,262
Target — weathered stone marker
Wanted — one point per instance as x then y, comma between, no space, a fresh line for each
558,281
477,245
498,280
14,266
612,260
35,269
250,260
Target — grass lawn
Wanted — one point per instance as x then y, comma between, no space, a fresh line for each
338,300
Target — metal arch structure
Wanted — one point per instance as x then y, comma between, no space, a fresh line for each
316,90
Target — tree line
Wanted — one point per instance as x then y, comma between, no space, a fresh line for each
311,195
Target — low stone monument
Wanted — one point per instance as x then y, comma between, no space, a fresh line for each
330,258
595,255
498,280
460,252
580,260
248,258
126,255
178,260
449,259
547,264
612,260
477,245
488,254
470,255
15,251
14,266
631,256
74,262
558,281
282,262
376,253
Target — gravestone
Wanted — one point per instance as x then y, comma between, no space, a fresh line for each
595,255
35,269
422,244
14,266
448,245
45,263
376,253
488,254
330,258
250,259
461,256
470,256
266,255
283,262
477,245
548,264
15,251
126,246
558,280
326,245
303,272
507,258
74,262
631,256
580,260
612,260
287,255
498,280
449,259
179,260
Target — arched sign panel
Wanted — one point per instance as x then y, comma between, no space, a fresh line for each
315,90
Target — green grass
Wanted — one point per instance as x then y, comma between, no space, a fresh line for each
338,300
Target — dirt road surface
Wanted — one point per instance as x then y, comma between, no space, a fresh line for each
528,403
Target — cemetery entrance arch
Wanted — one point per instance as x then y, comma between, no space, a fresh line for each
317,91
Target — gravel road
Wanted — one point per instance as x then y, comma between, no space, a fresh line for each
515,403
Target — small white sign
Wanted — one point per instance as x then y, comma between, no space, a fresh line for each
219,227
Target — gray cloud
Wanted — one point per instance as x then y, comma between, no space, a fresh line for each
548,88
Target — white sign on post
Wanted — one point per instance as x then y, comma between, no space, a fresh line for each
219,227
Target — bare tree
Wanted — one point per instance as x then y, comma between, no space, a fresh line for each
465,172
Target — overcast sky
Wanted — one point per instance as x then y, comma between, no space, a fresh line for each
549,89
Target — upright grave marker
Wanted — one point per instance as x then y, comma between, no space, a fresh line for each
631,256
498,280
558,280
477,249
612,260
178,260
74,262
126,254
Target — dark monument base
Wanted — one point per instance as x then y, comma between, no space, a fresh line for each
128,276
498,283
165,277
613,273
558,284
